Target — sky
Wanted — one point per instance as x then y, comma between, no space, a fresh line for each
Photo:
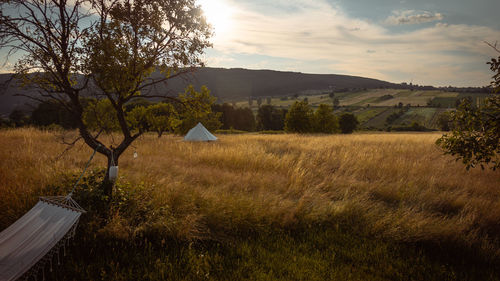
426,42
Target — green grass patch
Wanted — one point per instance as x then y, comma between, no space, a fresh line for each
369,113
325,252
421,115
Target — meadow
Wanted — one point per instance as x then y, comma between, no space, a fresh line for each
367,206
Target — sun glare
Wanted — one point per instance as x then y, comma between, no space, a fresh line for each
218,13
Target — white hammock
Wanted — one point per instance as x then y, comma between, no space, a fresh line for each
28,244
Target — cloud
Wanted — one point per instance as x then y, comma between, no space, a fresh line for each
412,17
321,38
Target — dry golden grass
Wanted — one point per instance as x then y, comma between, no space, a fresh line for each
400,186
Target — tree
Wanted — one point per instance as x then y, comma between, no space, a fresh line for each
244,119
51,112
475,135
268,100
19,118
196,107
443,121
348,123
270,118
236,118
161,117
324,121
336,102
299,118
259,101
121,47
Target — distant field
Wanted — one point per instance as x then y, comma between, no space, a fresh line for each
381,206
372,107
372,97
421,115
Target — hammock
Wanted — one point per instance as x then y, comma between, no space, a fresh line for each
31,242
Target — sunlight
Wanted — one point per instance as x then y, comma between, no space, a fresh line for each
218,13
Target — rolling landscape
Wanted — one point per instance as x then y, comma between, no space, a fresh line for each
372,101
249,140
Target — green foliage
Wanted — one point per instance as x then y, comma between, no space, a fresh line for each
384,98
236,118
52,112
270,118
299,118
414,127
495,67
443,121
475,135
348,123
324,121
137,40
5,123
19,118
396,115
162,117
101,115
336,102
197,107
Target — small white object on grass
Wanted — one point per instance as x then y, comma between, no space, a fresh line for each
135,154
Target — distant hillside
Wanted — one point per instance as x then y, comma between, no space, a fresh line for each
237,82
228,84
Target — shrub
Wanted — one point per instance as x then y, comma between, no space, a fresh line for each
348,123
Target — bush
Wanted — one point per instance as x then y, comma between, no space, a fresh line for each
348,123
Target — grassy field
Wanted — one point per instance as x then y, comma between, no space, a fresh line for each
371,97
266,207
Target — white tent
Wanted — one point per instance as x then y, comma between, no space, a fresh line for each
199,133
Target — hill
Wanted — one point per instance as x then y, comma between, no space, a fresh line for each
227,84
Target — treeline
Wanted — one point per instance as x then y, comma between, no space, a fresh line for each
300,118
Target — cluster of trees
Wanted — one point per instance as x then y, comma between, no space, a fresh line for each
140,114
301,118
268,117
235,117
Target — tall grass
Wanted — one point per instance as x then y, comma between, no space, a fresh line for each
397,187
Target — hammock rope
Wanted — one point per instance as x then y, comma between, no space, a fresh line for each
85,169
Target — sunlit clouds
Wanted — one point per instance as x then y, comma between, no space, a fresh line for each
412,17
219,15
320,37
